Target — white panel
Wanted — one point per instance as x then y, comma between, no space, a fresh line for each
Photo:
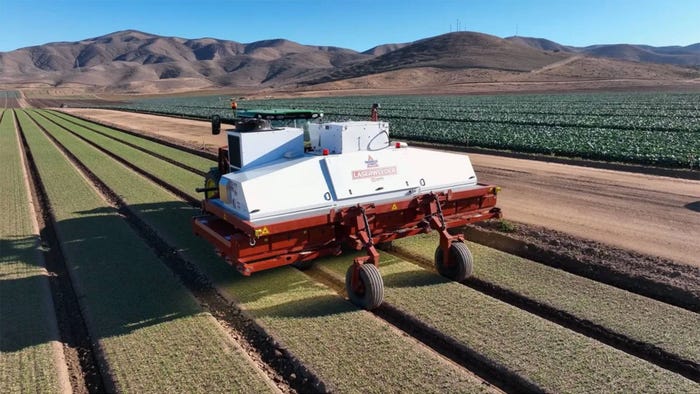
363,173
282,187
260,147
347,137
439,170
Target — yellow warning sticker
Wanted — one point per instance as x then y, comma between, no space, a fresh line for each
261,231
394,207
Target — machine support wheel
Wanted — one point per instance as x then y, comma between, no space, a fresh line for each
369,292
461,264
212,180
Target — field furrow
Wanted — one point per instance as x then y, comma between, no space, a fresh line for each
151,333
548,355
627,315
193,162
145,162
348,349
31,358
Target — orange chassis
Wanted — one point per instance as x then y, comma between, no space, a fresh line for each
251,248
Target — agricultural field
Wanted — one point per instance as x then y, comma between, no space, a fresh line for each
8,99
164,312
659,129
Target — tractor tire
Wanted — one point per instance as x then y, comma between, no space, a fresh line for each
372,294
462,262
212,180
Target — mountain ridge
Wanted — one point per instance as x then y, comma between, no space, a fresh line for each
135,61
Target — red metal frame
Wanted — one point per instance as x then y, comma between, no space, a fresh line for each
250,248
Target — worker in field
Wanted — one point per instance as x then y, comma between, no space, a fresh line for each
234,107
374,115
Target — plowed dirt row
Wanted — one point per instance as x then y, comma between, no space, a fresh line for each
649,214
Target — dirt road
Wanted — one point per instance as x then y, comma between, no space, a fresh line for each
654,215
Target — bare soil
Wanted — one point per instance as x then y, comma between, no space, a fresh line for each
650,276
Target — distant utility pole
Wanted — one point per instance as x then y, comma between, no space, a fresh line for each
516,30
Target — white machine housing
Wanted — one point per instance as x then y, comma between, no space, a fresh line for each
251,148
290,186
345,137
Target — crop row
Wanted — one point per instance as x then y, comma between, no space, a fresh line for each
591,350
9,98
151,334
28,331
507,271
169,153
585,299
550,356
326,333
618,104
150,164
637,128
650,119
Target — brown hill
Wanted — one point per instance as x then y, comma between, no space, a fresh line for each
539,43
132,60
677,55
459,50
647,54
384,49
136,62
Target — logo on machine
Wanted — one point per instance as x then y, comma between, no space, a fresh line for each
371,162
373,170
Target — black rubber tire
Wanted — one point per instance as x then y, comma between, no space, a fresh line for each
462,262
212,179
303,265
373,293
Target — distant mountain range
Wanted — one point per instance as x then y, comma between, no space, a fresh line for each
134,61
678,55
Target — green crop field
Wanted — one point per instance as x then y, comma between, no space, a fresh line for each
28,332
584,298
533,347
659,129
293,309
154,336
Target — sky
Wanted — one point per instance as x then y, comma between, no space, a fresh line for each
354,24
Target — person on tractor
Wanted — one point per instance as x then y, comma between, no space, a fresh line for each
374,114
234,107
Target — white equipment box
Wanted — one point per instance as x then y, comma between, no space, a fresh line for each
248,149
346,137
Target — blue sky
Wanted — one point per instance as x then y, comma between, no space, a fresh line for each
354,24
